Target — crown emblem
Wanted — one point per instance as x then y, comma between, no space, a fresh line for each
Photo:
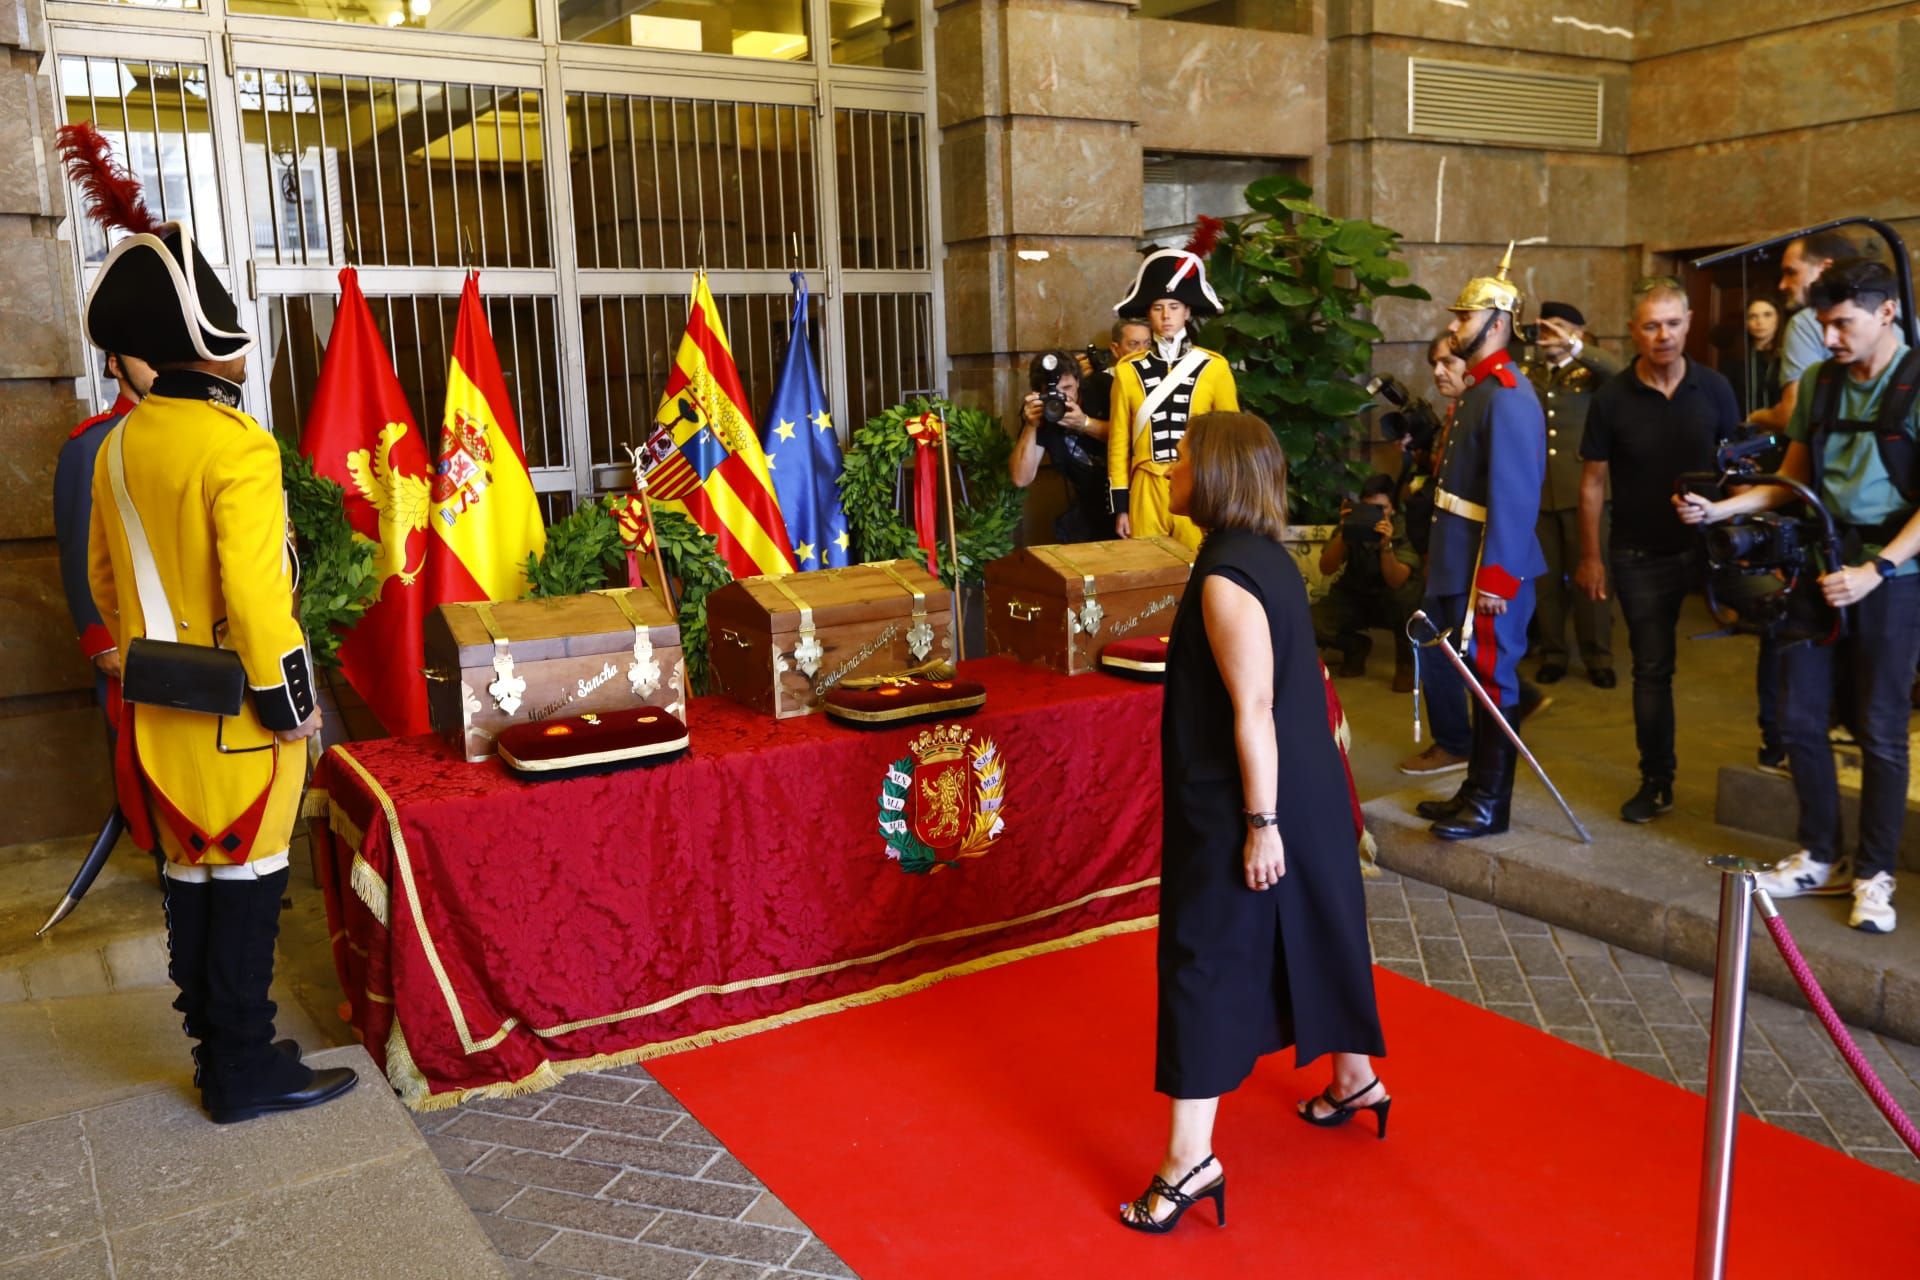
939,744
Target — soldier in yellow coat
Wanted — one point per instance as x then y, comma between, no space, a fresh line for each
188,553
1157,391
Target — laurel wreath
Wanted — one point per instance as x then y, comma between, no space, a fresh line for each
871,488
337,584
916,857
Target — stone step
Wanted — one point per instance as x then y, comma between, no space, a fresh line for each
1647,888
115,940
1764,803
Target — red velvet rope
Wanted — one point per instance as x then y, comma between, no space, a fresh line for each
1842,1040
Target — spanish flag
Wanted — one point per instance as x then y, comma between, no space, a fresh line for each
715,470
484,518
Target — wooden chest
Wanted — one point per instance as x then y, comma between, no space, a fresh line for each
492,665
1059,606
780,644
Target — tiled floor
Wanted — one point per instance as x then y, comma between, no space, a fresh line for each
607,1175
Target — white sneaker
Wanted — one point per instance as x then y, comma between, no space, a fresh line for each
1801,875
1873,904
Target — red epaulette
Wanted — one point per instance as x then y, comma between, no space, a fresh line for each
1506,375
121,407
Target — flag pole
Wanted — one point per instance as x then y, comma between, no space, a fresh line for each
653,534
953,536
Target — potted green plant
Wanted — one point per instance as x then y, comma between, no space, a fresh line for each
1299,285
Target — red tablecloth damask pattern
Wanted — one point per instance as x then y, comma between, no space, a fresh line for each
493,934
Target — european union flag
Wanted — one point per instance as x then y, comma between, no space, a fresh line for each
804,453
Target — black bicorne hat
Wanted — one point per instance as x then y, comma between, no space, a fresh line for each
1170,273
157,298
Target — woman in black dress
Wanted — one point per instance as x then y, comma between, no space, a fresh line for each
1263,927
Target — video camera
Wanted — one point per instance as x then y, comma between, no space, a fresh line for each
1411,419
1762,575
1044,375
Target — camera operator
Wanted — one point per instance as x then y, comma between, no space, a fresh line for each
1852,437
1052,422
1127,338
1566,372
1663,416
1380,587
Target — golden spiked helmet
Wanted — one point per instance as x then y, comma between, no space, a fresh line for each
1492,293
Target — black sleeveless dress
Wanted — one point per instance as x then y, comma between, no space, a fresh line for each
1243,973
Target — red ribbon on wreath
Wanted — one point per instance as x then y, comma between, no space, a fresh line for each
924,430
636,535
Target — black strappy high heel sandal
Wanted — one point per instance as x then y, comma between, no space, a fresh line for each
1143,1219
1343,1108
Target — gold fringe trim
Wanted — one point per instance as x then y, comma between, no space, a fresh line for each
551,1073
370,889
403,1074
315,804
1369,854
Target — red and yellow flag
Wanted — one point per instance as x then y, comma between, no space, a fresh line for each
360,434
715,471
485,519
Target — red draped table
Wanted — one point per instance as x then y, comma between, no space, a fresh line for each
493,934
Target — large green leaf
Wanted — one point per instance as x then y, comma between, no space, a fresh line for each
1289,295
1269,194
1340,399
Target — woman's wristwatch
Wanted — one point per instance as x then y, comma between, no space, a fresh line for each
1259,820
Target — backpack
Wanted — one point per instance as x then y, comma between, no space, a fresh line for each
1898,451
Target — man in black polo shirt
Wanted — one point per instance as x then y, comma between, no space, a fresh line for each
1663,416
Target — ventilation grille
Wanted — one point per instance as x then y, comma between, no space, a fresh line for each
1492,104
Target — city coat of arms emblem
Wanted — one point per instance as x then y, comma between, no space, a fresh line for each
941,802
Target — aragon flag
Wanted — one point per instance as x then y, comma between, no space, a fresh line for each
360,434
709,463
484,518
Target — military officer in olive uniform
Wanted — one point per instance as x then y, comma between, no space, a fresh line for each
187,555
1565,371
1156,391
1484,551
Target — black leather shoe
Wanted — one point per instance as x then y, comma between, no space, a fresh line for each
324,1087
1550,673
1648,803
1603,678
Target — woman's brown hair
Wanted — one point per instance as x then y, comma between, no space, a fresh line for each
1239,474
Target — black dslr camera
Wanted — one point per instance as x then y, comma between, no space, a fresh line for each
1410,419
1044,375
1763,577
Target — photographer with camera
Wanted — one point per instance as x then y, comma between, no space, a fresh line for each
1053,423
1663,416
1852,435
1379,588
1566,372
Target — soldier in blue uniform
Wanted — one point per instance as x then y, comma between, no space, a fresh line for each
1484,553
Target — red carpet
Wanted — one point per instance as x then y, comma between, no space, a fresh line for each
989,1127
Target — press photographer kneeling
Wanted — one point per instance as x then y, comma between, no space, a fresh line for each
1381,585
1052,422
1852,441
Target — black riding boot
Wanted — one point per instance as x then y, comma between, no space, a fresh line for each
1488,795
245,1076
186,906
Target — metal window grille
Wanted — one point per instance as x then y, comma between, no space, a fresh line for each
881,171
419,332
676,183
157,118
392,172
889,351
629,344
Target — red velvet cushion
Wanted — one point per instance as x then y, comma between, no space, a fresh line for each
593,740
914,700
1142,656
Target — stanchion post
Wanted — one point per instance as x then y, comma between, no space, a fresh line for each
1723,1062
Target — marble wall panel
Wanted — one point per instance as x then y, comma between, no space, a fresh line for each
1663,26
1586,199
1441,194
1066,297
1084,64
36,303
35,419
37,652
28,180
1580,28
1835,72
966,49
973,181
1072,177
976,299
54,773
23,25
1228,91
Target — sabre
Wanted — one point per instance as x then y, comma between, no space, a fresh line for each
1486,700
110,832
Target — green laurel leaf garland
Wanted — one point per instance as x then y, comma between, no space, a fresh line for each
980,449
916,858
336,568
584,554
